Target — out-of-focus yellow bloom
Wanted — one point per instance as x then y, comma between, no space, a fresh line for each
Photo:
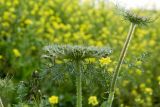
15,2
105,61
53,100
110,70
148,81
149,99
33,48
142,86
149,90
5,24
117,91
134,93
125,83
6,15
1,57
58,61
16,52
158,79
152,42
28,22
138,72
93,100
138,63
139,100
90,60
99,44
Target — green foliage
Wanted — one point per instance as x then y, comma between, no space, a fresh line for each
28,25
7,88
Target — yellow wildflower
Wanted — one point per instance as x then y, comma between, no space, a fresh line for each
142,86
53,99
148,91
105,61
99,44
125,83
59,61
138,63
1,57
110,70
28,22
158,79
138,72
5,24
93,100
16,52
134,92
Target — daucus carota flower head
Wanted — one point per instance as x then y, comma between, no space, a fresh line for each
135,18
75,52
53,100
93,100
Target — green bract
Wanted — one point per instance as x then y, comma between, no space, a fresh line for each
135,18
75,52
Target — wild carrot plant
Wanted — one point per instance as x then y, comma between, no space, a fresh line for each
76,55
135,20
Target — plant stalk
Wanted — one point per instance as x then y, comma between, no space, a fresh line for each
1,104
79,84
117,70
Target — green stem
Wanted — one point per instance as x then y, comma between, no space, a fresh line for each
121,58
52,105
1,104
79,85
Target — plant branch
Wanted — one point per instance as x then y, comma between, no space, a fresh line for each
121,58
79,84
1,104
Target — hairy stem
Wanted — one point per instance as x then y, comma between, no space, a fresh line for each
79,84
1,104
121,58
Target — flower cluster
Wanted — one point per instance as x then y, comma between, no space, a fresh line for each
53,100
93,100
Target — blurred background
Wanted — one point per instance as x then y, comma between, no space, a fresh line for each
28,25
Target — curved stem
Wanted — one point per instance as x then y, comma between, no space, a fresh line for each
79,84
121,58
1,104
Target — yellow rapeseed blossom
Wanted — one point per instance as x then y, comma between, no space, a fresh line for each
158,79
110,70
28,22
125,83
149,90
142,86
53,100
134,92
105,61
138,63
1,57
99,44
138,72
16,52
93,100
